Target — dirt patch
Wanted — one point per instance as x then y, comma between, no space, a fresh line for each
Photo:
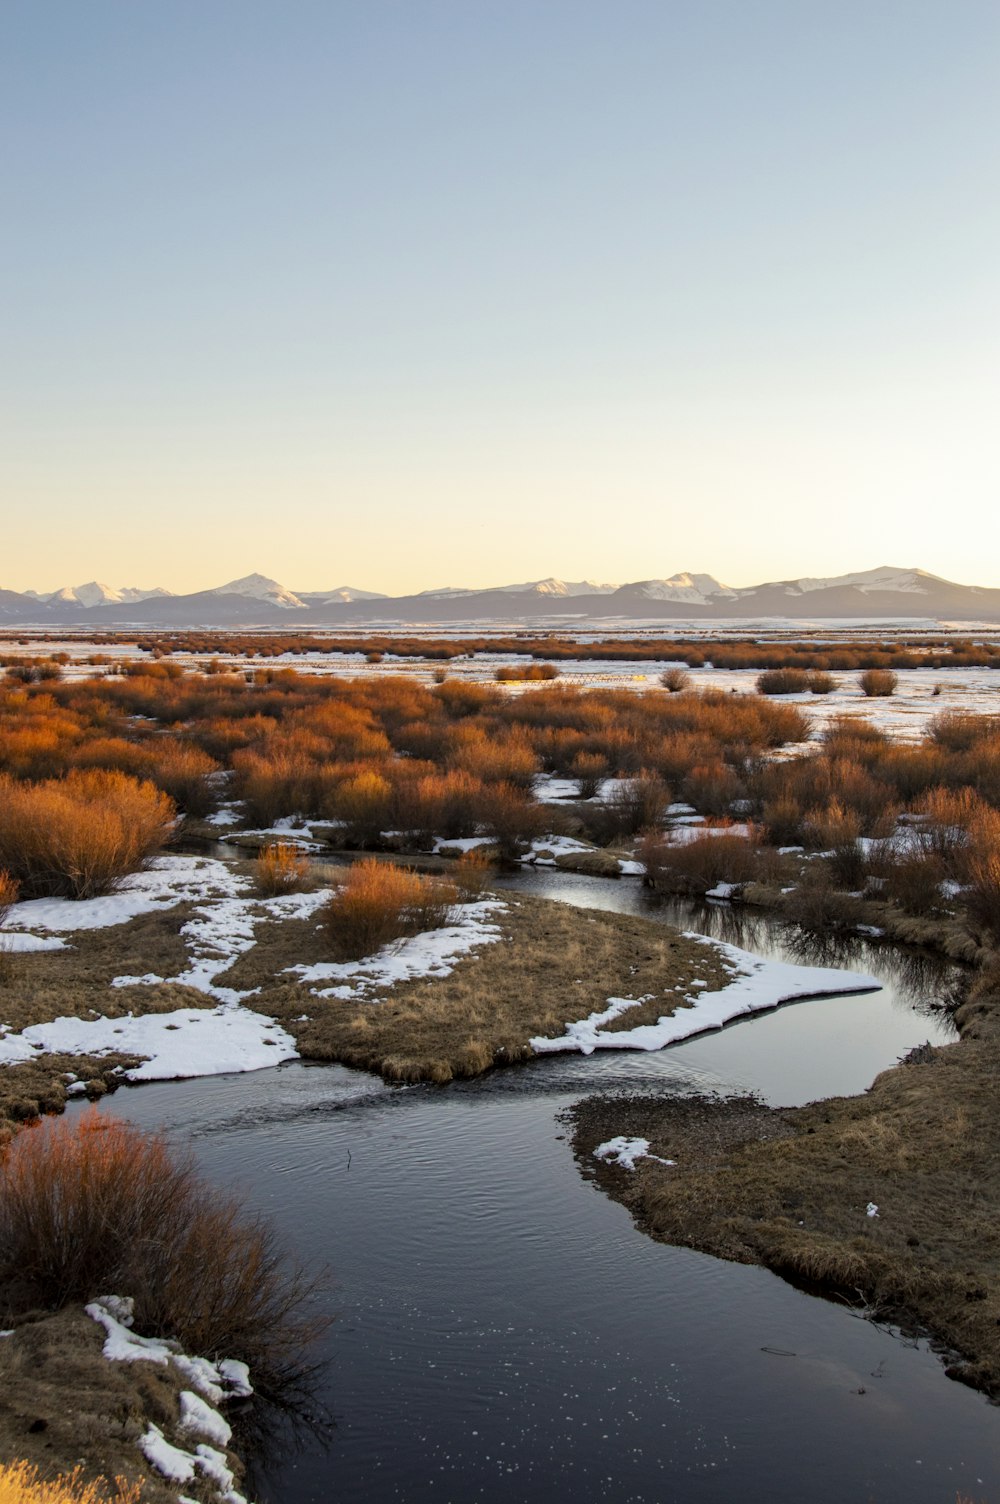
63,1403
554,964
791,1188
34,1087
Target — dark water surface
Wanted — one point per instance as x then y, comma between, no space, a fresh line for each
503,1331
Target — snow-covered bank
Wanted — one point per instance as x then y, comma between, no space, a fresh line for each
757,985
433,953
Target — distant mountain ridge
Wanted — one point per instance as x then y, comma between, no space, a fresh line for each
256,600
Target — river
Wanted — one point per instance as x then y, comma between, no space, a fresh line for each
504,1332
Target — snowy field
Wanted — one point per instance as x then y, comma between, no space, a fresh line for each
921,693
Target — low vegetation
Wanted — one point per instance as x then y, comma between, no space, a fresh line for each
378,903
24,1483
78,836
92,1205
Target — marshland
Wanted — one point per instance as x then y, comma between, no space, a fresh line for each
400,949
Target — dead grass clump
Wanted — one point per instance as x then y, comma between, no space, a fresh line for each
21,1483
783,681
281,868
378,903
878,682
77,837
95,1204
676,680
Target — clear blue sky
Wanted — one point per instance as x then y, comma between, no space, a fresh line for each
455,291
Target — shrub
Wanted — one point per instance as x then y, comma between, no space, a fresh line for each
982,896
379,902
21,1483
877,682
9,891
821,684
281,868
696,866
676,680
509,817
472,873
93,1204
636,804
912,880
818,907
590,769
79,836
783,681
524,673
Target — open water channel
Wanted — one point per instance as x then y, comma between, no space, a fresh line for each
504,1332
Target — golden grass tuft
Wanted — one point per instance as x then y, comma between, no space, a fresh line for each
21,1483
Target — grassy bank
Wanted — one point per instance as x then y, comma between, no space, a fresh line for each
790,1188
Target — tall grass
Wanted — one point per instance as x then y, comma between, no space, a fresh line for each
78,837
22,1483
93,1204
379,902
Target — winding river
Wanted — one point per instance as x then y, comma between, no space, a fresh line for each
503,1331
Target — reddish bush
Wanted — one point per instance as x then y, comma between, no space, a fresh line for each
79,836
92,1204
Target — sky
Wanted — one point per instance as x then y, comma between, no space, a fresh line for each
408,293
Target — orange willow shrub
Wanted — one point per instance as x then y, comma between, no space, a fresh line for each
9,892
379,902
21,1483
93,1204
78,836
281,868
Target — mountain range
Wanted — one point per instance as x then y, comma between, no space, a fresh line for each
258,601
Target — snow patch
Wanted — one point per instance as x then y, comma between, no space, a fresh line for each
757,985
432,953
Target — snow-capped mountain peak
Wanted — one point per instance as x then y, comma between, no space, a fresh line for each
259,588
693,589
94,593
885,577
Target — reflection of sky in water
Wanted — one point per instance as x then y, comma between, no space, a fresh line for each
820,1047
504,1333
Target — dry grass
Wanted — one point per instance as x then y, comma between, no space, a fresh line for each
789,1189
77,837
22,1483
281,868
878,682
553,964
63,1406
378,903
95,1204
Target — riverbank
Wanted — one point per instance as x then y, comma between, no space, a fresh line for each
890,1200
65,1403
